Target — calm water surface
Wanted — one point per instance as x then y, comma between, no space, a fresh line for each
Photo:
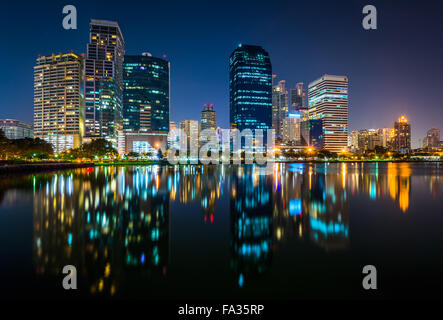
306,231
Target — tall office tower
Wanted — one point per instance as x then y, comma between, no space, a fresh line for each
191,130
402,136
58,101
208,117
280,100
353,140
312,133
146,95
15,129
104,80
432,139
250,88
298,98
328,101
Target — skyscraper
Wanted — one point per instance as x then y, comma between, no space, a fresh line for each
402,136
291,133
312,133
191,128
208,117
104,80
280,101
298,98
328,101
58,102
432,139
250,88
146,96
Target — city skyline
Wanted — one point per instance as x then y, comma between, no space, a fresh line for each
386,74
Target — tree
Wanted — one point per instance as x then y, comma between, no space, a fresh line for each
4,145
32,148
98,148
133,154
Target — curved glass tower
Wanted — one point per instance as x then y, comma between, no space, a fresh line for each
250,88
146,93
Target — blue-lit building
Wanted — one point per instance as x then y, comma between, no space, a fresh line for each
312,133
250,88
146,96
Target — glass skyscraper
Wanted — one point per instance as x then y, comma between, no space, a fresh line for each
250,87
146,101
104,80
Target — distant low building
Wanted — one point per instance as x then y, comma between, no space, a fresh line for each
15,129
141,141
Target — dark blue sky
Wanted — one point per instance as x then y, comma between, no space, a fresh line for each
393,70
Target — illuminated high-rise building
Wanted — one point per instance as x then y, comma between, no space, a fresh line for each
208,117
298,98
432,139
191,130
146,95
280,100
402,136
291,133
250,88
312,133
104,80
328,101
58,101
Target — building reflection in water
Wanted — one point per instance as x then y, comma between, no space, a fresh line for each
251,223
393,179
112,223
311,203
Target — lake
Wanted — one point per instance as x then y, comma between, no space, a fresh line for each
224,231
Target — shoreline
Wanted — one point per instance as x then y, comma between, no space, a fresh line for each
25,168
11,169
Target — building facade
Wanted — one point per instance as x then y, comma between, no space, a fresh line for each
191,132
291,129
328,101
402,136
250,88
312,133
208,117
432,139
146,95
15,129
104,80
58,101
142,142
280,101
298,98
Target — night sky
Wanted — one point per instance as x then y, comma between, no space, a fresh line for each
397,69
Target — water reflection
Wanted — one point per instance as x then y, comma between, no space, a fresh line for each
113,223
108,222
